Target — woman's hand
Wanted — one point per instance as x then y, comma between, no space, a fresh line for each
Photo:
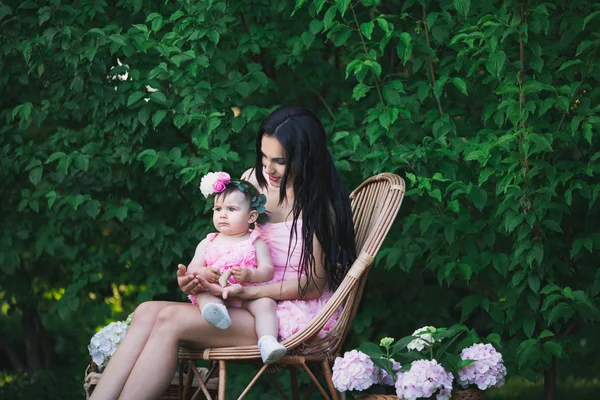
188,283
209,286
235,291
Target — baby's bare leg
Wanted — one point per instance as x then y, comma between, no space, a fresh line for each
213,310
205,297
265,315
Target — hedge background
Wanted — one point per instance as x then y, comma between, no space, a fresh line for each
113,110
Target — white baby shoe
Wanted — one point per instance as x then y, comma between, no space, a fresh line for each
216,315
270,349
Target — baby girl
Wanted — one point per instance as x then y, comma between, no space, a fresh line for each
236,255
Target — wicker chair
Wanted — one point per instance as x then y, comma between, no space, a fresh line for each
375,204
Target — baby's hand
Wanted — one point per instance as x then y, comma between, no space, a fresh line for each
241,274
209,274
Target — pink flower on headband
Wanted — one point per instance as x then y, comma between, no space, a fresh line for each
214,182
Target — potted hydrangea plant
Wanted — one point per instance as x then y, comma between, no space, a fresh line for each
428,364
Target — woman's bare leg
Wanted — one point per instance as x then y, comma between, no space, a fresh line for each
175,324
118,369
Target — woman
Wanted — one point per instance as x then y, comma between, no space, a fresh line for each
307,207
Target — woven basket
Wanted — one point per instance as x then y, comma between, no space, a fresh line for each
172,393
468,394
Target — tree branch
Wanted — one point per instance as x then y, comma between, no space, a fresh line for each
431,70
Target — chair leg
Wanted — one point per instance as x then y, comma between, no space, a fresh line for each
294,383
277,386
253,381
315,381
180,388
328,378
201,386
188,381
222,378
308,390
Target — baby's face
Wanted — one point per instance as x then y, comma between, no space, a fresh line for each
232,214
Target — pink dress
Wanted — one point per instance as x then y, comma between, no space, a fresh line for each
227,256
293,315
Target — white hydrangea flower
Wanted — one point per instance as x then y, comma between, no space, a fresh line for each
104,343
425,338
207,182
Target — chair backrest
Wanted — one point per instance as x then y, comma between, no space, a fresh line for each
375,204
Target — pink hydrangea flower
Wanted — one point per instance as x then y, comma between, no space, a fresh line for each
385,378
422,380
488,369
218,186
354,371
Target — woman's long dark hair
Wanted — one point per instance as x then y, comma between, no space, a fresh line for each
318,192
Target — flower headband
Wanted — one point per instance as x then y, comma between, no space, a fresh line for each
216,182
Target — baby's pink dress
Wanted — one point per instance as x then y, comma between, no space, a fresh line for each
227,256
293,315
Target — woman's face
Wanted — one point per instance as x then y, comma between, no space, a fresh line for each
274,160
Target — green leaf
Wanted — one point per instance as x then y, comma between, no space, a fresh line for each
158,117
35,175
529,326
570,63
405,47
587,132
157,23
583,45
92,208
213,36
137,6
76,201
528,352
212,124
495,63
545,333
81,162
367,29
176,15
342,5
4,11
385,26
328,17
120,40
341,37
554,348
550,288
460,85
134,98
360,91
462,6
315,26
589,18
158,97
121,212
561,310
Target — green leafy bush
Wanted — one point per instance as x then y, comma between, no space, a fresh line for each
113,110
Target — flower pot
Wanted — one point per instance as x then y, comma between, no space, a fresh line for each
469,394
